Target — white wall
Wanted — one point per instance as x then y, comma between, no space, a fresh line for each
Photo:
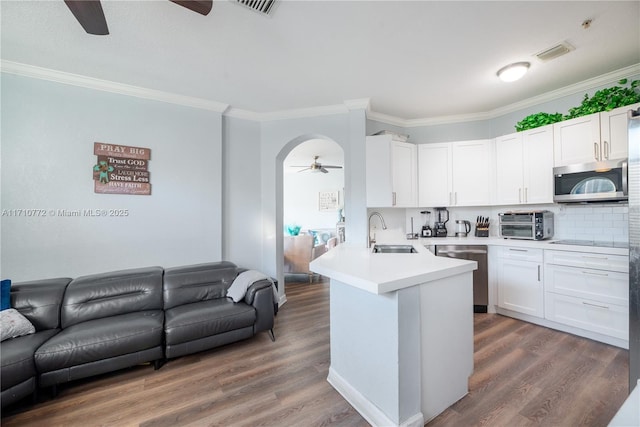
242,199
48,131
278,138
301,198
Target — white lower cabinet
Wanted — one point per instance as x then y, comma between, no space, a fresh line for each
588,291
520,280
590,315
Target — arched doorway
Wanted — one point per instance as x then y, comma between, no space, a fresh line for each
301,186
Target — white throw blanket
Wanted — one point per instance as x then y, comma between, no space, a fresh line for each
241,283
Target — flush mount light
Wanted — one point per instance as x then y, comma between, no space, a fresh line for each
513,72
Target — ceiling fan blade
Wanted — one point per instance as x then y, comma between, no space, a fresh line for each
323,170
90,15
302,170
203,7
332,167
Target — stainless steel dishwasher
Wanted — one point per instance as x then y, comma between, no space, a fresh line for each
476,253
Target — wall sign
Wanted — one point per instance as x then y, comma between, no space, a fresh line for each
121,169
328,200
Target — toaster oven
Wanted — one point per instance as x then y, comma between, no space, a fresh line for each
529,225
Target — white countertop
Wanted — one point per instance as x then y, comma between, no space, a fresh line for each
498,241
379,273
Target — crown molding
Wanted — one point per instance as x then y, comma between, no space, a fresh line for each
298,113
32,71
593,83
358,104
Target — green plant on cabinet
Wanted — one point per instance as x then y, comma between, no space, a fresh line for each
603,100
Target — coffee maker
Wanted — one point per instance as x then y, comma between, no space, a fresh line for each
440,226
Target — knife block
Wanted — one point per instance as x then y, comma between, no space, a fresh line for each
482,232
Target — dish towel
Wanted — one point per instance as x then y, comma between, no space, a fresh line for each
241,283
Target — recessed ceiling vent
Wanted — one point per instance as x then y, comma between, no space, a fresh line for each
261,6
554,52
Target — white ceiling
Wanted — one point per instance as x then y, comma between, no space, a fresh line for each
413,60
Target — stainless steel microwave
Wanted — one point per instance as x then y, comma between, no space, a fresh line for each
591,182
529,225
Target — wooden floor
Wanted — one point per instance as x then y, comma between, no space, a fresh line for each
524,375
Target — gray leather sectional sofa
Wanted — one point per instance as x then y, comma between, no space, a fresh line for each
104,322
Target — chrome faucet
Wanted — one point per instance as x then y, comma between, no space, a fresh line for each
371,241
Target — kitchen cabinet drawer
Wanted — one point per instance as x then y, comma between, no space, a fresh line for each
607,319
588,260
521,254
608,287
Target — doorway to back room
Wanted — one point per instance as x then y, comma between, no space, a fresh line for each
313,205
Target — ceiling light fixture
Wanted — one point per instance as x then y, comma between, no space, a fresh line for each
513,72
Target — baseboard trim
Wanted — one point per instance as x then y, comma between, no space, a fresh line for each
368,410
617,342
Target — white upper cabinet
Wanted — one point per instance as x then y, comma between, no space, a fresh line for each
434,174
509,169
614,133
592,138
455,173
524,167
391,172
472,163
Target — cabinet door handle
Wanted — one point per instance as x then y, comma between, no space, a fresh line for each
538,272
595,257
606,150
393,198
455,198
450,198
526,195
596,305
596,151
519,195
518,250
593,273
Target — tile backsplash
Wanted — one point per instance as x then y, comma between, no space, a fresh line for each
608,222
602,222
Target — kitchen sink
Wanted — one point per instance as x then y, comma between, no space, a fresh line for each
394,249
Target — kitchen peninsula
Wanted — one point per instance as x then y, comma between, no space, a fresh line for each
401,331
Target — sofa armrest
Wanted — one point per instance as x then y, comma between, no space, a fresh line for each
250,296
260,296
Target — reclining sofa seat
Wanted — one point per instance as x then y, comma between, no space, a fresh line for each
38,301
109,321
199,316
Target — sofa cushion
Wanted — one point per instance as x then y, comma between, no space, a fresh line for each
199,282
39,301
17,357
13,324
207,318
111,294
100,339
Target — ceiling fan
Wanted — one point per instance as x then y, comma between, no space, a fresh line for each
90,15
317,167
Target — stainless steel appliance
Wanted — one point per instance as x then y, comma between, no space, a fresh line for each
477,253
634,248
442,217
529,225
463,228
604,181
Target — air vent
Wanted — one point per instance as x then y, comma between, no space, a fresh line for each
261,6
554,52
